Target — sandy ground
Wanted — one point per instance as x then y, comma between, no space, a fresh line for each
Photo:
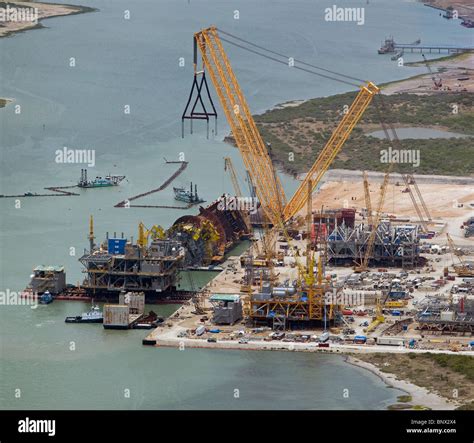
452,69
45,10
450,200
448,203
465,8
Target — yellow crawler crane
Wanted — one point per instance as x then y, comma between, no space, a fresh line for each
257,159
364,263
462,270
249,141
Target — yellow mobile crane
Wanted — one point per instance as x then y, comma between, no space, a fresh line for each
462,270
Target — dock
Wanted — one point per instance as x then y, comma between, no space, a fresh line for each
435,48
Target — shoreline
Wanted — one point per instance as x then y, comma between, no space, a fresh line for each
415,90
45,11
420,396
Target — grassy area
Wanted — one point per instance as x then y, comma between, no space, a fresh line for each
449,375
297,134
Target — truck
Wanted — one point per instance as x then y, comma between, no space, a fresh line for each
391,341
324,337
360,339
200,330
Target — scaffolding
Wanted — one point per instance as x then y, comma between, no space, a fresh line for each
151,270
395,245
295,309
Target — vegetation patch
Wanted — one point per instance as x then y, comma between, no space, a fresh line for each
448,375
297,134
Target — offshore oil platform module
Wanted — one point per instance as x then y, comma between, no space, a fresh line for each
151,264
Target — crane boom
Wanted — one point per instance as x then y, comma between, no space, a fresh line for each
331,149
462,269
228,166
244,129
368,202
363,266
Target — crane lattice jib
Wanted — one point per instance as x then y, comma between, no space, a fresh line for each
331,149
376,221
228,166
368,201
251,145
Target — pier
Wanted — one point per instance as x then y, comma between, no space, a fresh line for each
437,49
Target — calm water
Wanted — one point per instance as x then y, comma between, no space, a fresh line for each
135,63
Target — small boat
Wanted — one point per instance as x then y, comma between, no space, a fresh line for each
99,182
46,298
182,194
388,46
397,55
93,316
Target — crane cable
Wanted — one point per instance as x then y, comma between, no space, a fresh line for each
288,57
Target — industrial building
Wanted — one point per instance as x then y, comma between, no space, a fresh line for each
227,308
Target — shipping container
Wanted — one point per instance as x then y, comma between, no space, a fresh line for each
116,317
391,341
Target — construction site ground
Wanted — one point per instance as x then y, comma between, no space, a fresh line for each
179,329
451,201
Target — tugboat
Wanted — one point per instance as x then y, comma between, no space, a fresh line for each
99,182
388,46
93,316
46,298
186,196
